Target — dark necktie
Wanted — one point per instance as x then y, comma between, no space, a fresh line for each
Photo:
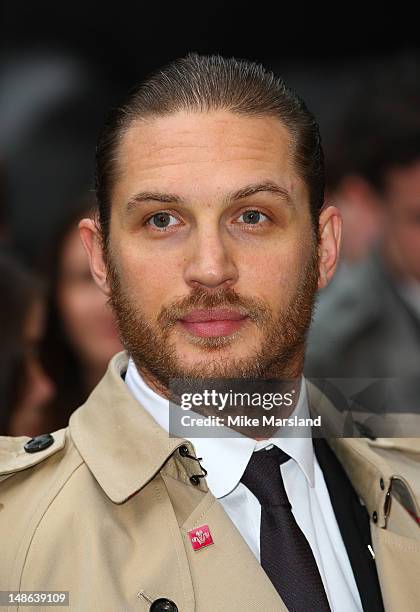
286,555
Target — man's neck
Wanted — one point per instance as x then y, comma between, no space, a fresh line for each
154,383
163,390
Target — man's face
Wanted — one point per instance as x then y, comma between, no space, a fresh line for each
402,218
208,214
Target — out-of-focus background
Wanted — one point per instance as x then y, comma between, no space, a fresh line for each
63,66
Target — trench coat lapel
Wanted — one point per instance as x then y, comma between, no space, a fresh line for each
125,449
226,574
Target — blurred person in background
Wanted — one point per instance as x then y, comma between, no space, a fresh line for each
81,335
367,323
25,388
4,209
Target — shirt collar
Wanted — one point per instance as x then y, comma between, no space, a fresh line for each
217,453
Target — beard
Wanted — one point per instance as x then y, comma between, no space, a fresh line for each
280,354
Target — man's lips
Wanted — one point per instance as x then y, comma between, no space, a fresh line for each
215,322
198,316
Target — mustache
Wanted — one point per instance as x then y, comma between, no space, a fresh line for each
255,309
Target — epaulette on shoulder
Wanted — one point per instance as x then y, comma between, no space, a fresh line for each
20,453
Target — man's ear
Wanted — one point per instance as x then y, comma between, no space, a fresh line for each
330,225
92,241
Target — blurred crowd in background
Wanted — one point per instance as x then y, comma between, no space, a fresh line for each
58,333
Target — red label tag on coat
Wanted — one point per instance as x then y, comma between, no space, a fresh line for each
200,537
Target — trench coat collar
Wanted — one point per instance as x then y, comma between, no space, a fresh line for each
120,442
125,448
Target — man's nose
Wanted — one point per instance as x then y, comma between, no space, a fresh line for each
209,260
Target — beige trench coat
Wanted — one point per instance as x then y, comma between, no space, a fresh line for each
105,511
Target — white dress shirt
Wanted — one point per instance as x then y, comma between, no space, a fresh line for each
225,460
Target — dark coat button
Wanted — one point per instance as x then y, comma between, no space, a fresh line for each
39,443
183,451
163,605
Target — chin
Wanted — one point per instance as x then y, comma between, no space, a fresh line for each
209,359
202,349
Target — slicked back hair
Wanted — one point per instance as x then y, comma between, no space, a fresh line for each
199,83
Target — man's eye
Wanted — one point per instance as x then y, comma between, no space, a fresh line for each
252,217
161,220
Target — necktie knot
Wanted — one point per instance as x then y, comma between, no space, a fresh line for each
262,477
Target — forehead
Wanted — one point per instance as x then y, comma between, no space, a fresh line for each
203,152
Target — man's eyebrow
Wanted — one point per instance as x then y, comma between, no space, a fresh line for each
151,196
266,186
